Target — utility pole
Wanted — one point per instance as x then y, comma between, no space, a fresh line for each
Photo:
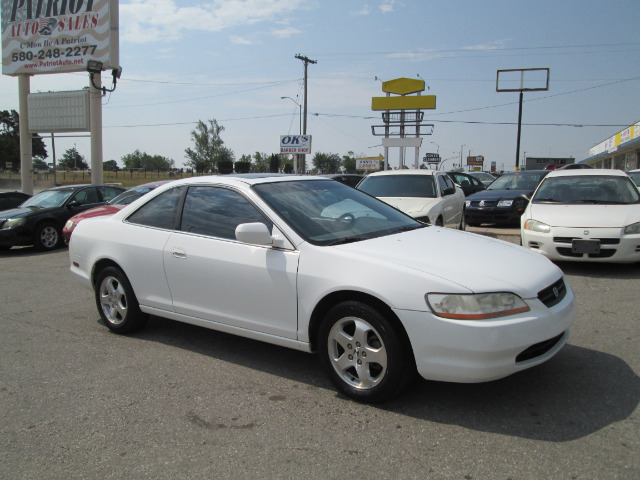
306,61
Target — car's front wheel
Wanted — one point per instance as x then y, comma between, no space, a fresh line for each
47,236
362,352
117,303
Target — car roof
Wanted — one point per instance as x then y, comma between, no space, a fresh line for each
586,171
405,171
243,178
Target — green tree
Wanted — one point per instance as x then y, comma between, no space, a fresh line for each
260,162
72,160
224,160
243,165
10,141
349,163
39,164
140,159
207,144
326,162
110,166
274,163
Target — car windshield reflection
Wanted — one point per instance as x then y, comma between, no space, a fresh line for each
591,189
418,186
49,198
517,181
325,212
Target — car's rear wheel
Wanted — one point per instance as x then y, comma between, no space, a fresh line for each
362,352
117,303
463,223
47,236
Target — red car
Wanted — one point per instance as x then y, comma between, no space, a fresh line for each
111,207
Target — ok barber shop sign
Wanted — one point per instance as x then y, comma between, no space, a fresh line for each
295,143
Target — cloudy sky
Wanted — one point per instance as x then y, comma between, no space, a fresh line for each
232,61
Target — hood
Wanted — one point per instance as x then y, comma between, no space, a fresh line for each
495,195
17,212
475,262
414,206
97,212
585,215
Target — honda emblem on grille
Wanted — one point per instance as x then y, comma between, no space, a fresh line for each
555,292
586,232
482,203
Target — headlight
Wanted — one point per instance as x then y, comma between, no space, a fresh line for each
632,229
480,306
70,225
13,223
505,203
536,226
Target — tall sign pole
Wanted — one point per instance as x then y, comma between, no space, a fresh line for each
306,61
537,80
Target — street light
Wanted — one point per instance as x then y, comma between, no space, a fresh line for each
437,146
299,106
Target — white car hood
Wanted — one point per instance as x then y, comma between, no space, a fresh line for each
475,262
585,215
413,206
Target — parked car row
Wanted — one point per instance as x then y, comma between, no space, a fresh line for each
312,264
39,220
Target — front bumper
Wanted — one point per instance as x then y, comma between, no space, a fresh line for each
557,245
15,237
505,215
480,351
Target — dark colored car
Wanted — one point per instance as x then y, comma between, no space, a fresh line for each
12,199
351,179
504,200
40,219
112,206
468,183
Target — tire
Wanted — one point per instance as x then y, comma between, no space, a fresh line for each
117,303
463,223
47,236
362,353
439,222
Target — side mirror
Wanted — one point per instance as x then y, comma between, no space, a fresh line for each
73,204
254,233
448,191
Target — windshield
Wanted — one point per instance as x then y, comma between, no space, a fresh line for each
482,176
517,181
587,189
125,198
399,186
326,212
635,176
49,198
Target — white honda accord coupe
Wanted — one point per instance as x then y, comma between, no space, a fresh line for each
315,265
590,215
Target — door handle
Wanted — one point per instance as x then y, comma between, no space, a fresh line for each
179,253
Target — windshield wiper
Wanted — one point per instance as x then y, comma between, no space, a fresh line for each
352,239
547,200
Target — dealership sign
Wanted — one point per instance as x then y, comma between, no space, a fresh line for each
52,36
295,143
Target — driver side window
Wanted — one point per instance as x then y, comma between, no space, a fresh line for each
216,212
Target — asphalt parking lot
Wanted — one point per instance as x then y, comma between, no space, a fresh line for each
179,401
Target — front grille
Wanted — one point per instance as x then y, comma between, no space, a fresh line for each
566,252
603,241
538,349
553,294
